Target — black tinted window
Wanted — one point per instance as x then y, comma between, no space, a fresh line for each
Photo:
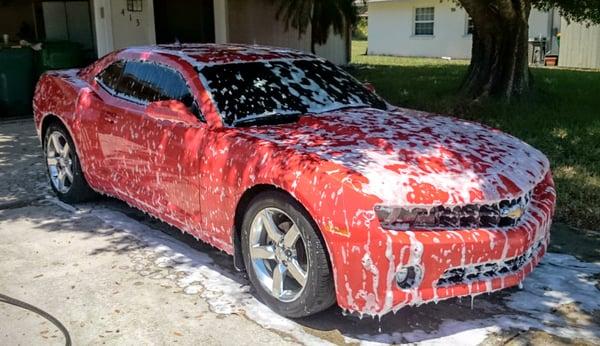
111,75
245,91
147,82
150,82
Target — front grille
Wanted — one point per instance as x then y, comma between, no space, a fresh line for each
487,271
506,213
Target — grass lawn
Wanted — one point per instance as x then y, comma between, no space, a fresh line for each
561,118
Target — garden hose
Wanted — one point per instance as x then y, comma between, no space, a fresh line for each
23,305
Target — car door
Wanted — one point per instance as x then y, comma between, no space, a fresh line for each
99,110
158,159
116,139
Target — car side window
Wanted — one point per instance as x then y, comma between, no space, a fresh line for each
111,75
139,82
150,82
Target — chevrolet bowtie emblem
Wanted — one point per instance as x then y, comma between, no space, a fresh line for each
514,212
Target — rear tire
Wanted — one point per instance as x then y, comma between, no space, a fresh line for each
63,167
286,262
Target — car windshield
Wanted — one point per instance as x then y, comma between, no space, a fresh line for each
278,90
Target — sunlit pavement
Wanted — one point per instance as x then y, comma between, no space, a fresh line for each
111,274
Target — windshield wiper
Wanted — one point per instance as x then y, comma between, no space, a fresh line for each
273,119
362,105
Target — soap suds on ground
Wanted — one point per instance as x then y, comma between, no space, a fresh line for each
560,281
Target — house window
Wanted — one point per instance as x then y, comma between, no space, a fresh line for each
470,25
134,5
424,17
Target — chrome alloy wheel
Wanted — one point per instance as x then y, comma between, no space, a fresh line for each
278,254
59,157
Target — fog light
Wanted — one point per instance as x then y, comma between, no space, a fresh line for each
408,277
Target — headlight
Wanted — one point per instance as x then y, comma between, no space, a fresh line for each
403,218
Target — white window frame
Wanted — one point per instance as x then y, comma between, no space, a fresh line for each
415,22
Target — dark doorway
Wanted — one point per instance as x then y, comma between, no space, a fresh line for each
184,21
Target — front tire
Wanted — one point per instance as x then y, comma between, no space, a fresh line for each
63,167
284,256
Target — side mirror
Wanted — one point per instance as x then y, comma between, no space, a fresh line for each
369,86
87,97
172,111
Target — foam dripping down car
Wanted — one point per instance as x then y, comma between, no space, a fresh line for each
321,191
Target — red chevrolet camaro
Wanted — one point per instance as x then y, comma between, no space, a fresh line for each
321,190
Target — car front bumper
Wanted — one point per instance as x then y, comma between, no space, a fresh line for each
441,264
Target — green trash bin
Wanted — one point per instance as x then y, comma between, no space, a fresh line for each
16,81
58,55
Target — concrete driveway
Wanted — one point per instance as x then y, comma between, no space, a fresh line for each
112,275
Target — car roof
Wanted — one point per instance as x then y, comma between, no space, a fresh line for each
203,54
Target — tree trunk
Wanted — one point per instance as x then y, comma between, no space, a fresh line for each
499,58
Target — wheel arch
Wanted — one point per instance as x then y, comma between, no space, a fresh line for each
49,120
242,206
55,119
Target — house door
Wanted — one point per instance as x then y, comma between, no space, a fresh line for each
184,21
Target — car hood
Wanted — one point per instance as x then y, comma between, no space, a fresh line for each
415,158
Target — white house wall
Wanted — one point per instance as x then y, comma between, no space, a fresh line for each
391,28
132,28
254,22
335,49
117,28
236,21
579,45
